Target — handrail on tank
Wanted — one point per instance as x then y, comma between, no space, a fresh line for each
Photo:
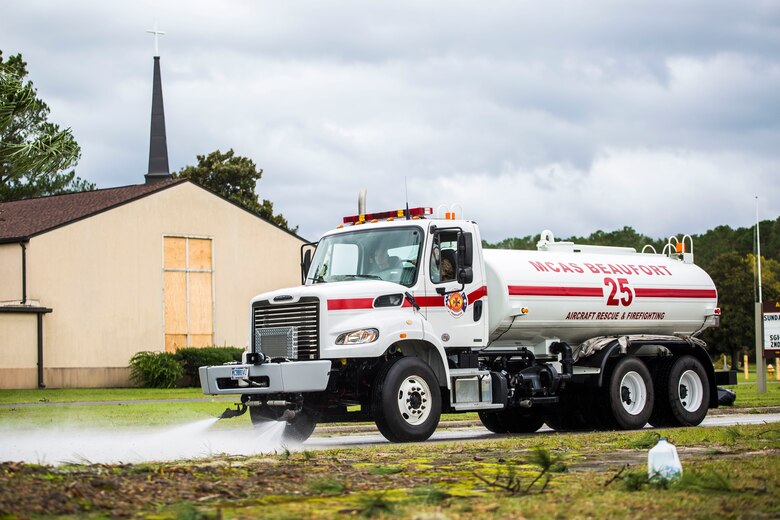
459,212
678,247
545,237
650,246
690,239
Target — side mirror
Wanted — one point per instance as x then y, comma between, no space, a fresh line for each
306,255
465,259
465,250
465,275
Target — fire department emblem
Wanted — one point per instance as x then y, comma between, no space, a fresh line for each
456,303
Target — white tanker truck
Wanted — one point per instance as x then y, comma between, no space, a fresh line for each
403,316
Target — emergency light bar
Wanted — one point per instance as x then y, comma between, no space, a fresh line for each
398,213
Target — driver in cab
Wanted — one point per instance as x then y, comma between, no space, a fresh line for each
382,261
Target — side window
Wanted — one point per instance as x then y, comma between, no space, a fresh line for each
443,258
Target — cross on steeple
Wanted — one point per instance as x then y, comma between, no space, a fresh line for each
158,142
157,35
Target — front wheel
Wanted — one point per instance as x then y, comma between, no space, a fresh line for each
406,400
682,393
298,425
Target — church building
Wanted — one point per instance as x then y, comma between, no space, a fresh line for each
88,279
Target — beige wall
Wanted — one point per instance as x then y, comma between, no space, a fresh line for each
18,350
103,276
10,273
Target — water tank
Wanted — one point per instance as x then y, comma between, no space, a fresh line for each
573,296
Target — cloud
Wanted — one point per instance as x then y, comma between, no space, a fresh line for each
576,117
658,192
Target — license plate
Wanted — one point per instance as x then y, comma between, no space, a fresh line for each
239,373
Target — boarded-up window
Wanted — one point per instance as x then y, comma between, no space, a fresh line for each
188,292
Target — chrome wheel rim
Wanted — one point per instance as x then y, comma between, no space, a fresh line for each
690,391
633,393
414,400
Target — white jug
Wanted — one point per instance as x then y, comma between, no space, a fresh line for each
662,461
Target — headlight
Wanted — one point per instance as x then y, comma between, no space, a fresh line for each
356,337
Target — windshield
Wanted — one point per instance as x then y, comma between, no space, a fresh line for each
383,254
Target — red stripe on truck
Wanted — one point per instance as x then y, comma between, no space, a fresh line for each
535,290
350,304
675,293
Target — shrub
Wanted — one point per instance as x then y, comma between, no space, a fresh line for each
155,369
193,358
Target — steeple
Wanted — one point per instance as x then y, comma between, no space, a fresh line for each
158,146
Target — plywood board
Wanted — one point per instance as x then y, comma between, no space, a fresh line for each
200,253
201,340
175,341
174,253
201,312
175,296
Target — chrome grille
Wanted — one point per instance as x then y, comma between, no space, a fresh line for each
302,317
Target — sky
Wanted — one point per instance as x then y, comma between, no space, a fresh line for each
522,115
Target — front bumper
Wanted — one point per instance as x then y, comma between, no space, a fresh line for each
267,378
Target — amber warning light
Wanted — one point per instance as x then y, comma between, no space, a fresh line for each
398,213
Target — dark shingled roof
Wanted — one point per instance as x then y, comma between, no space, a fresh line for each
23,219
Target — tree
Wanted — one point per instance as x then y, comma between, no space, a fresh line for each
233,177
33,151
734,278
626,237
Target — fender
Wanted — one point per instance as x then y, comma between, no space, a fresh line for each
430,350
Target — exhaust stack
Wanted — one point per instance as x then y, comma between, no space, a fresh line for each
362,202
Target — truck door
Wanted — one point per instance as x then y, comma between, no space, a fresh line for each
455,309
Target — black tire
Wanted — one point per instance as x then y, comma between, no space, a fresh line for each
299,427
682,392
492,421
516,420
406,400
627,395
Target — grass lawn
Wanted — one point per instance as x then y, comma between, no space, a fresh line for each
70,395
729,472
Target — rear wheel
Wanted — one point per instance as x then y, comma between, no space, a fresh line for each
628,395
406,400
298,425
682,393
512,421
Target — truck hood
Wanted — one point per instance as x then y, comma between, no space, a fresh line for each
333,291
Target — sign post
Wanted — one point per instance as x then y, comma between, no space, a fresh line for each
760,335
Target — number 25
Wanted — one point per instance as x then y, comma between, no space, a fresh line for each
619,286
